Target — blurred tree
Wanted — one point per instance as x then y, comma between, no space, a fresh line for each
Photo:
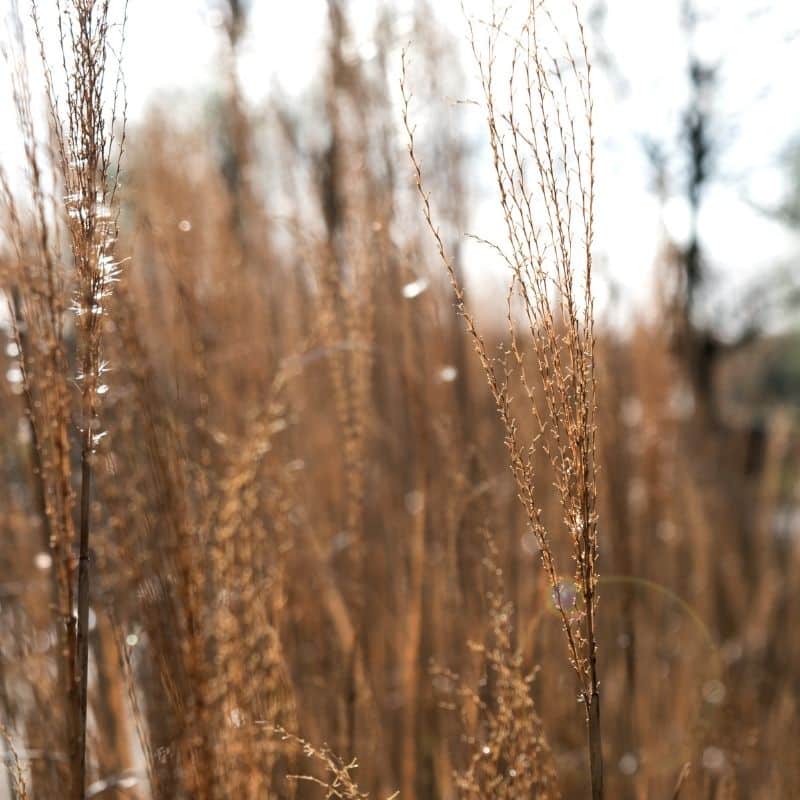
789,210
710,315
704,328
237,147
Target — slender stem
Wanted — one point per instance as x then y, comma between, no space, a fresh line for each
595,746
593,707
83,613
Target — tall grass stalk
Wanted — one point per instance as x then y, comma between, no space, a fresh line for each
286,526
86,107
543,156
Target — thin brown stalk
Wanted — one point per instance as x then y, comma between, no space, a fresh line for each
83,123
543,161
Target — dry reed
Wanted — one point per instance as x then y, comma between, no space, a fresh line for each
286,523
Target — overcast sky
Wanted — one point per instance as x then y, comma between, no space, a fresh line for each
173,44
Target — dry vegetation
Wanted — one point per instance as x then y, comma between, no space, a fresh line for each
314,555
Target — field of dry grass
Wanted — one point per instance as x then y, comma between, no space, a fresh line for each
289,511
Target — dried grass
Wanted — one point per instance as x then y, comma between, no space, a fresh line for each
287,519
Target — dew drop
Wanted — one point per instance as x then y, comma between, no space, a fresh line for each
415,288
448,373
43,561
713,759
628,764
714,692
631,412
530,544
414,502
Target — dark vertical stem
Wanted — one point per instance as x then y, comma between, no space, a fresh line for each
595,746
83,612
593,705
